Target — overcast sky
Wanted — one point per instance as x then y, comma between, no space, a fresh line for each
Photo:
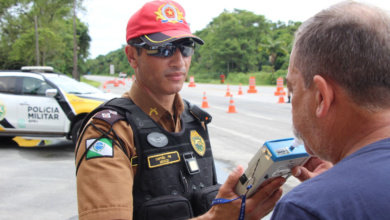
107,19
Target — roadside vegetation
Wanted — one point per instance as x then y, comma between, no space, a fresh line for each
239,43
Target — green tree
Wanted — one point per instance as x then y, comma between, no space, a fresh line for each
55,34
231,39
272,49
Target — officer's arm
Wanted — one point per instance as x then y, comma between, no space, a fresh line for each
105,175
257,206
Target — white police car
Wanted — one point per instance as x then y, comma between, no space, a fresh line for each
44,105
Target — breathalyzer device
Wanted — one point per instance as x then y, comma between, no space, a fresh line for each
275,158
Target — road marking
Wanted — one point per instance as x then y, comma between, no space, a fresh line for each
244,136
259,116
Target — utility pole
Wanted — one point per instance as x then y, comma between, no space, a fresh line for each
75,73
36,39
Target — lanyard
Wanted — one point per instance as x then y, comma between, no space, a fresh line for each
242,210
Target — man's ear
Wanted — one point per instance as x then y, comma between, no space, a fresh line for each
131,54
324,96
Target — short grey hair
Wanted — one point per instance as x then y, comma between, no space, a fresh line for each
349,44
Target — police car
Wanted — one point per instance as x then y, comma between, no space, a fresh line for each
37,103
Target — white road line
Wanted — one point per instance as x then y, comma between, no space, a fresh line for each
245,136
259,116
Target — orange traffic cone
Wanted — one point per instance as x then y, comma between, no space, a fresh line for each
205,104
232,108
227,92
281,98
240,90
192,82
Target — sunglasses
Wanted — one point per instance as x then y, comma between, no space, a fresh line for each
186,48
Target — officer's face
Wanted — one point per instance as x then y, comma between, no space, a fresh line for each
162,75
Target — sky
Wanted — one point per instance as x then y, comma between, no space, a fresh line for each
107,19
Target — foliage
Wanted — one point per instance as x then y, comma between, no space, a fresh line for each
101,64
54,21
238,43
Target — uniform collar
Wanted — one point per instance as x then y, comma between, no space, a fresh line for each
150,106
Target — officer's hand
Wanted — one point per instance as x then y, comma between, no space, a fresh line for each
258,206
313,167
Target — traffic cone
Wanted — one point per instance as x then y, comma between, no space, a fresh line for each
279,87
252,85
240,90
232,108
192,82
205,104
281,98
227,92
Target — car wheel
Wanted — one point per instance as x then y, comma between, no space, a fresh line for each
75,130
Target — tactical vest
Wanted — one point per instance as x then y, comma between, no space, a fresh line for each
176,177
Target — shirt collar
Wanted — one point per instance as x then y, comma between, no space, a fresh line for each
150,106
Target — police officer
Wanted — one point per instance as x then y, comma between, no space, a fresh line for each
147,155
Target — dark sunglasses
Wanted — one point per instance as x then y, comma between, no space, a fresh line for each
186,48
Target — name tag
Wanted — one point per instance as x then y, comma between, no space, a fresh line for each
163,159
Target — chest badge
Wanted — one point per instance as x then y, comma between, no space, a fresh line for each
157,139
198,143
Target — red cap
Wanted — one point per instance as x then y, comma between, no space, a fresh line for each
160,22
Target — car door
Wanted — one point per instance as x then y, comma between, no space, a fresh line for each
8,103
37,112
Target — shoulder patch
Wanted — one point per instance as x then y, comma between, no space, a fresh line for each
109,116
99,148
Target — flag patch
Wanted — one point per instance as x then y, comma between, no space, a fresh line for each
101,148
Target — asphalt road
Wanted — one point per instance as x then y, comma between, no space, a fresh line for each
39,182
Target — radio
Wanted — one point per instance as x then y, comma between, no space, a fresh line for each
274,159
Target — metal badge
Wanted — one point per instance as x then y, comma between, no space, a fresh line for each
157,139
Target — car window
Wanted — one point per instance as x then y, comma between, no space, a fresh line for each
70,85
33,86
7,84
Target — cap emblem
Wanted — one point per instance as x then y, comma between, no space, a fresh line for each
169,13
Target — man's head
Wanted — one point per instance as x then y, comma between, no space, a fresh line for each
349,43
339,69
160,46
158,23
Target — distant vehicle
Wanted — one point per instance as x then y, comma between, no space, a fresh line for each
122,75
44,105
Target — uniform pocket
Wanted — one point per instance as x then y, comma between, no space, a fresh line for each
202,199
166,208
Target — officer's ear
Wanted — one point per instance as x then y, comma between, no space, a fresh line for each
132,56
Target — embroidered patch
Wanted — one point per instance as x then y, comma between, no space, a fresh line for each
106,115
198,143
169,13
163,159
157,139
101,148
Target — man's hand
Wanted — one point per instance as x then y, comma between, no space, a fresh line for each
313,167
257,206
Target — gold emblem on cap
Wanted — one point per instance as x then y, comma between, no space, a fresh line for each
197,143
169,13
